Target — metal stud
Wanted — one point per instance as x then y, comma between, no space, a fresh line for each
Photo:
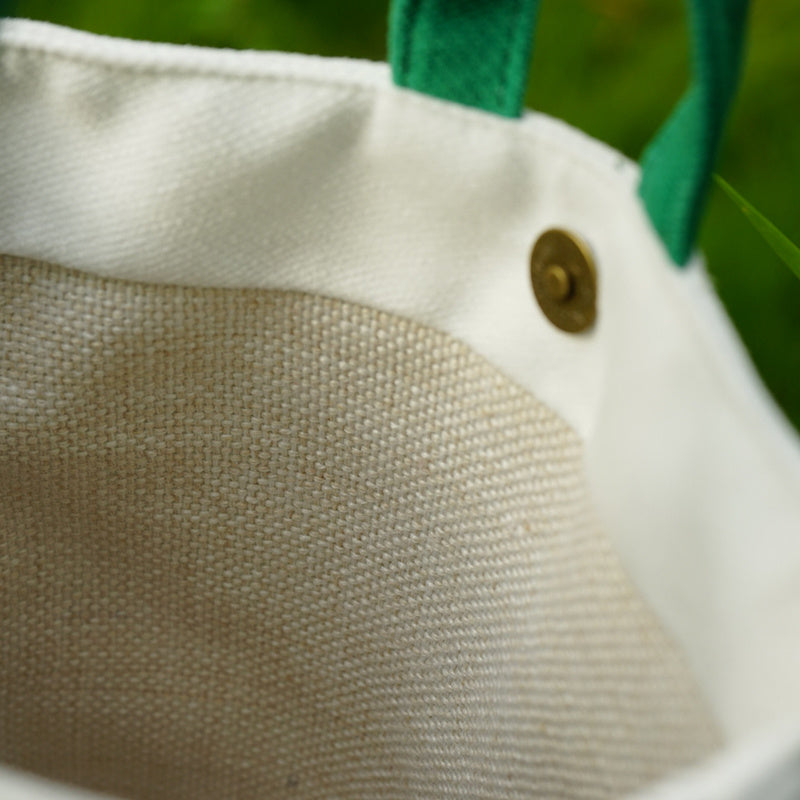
564,280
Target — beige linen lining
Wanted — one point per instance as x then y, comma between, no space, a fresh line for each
264,544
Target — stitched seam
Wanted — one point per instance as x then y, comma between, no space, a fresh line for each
178,71
467,116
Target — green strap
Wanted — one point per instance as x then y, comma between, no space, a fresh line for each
677,166
477,52
473,52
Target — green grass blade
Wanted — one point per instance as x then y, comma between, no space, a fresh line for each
784,247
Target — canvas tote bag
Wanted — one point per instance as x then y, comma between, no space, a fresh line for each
364,438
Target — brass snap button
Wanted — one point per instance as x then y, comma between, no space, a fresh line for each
564,280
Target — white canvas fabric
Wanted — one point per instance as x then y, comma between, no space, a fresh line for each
766,767
16,785
202,168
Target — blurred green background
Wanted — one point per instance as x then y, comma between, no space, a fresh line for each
613,68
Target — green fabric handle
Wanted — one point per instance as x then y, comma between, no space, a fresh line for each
677,166
473,52
477,53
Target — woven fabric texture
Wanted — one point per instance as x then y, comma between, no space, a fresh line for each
466,51
264,544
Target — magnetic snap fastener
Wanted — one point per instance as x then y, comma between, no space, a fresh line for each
564,280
